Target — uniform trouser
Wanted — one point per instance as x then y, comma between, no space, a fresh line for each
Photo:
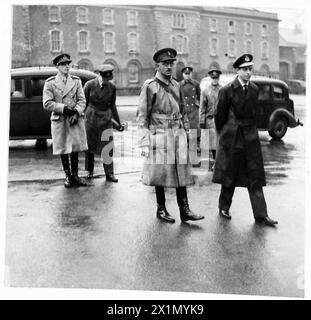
181,194
90,158
256,197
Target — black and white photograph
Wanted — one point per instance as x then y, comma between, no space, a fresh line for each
156,149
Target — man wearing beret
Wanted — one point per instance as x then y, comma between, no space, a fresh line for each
191,92
100,116
63,96
239,161
208,102
163,127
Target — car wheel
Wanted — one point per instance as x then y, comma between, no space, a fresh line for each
279,128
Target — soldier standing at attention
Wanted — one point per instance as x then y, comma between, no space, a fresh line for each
239,160
101,112
191,92
163,127
63,96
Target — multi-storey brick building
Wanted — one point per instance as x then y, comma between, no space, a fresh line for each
127,37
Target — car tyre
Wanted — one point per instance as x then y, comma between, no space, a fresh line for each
279,128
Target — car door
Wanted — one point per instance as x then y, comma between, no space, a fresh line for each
39,118
19,113
264,105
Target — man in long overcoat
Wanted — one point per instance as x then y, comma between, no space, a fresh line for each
63,96
162,124
100,113
239,161
208,101
191,92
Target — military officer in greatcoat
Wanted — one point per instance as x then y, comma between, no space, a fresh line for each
101,117
163,127
63,96
239,161
208,101
191,92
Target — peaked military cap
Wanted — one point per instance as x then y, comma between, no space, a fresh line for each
165,54
105,69
186,69
214,72
243,61
61,58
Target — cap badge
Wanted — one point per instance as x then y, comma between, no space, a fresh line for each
247,59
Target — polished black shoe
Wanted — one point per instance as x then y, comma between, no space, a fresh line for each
110,177
225,213
186,214
68,183
163,214
267,221
78,181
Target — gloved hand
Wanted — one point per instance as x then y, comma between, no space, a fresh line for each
74,119
145,152
121,127
69,112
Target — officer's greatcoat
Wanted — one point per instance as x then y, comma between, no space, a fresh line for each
100,110
191,92
57,94
239,159
208,102
162,121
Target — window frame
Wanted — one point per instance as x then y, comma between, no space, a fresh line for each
264,31
135,23
177,22
185,43
233,31
136,81
211,27
113,47
264,57
111,19
213,54
248,32
58,19
87,39
60,32
86,21
23,88
136,49
235,47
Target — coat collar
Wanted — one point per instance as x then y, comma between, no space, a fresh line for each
65,87
160,77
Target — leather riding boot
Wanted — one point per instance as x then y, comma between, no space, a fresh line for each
162,213
74,157
109,172
89,164
185,212
65,162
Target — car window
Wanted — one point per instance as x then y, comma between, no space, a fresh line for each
264,92
37,85
18,88
278,92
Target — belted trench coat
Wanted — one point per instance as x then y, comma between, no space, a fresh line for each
208,101
162,121
57,94
239,159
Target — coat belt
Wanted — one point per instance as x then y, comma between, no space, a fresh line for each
173,117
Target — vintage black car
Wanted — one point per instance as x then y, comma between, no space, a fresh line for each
276,110
28,119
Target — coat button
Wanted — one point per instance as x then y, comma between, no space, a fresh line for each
192,96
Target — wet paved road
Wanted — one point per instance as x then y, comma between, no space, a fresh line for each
107,236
